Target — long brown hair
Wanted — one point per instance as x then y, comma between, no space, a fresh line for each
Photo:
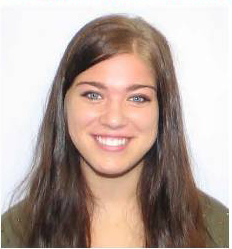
56,203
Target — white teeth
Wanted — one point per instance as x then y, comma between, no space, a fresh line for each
112,141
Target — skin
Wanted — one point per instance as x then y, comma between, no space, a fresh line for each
113,175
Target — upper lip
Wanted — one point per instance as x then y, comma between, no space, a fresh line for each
113,135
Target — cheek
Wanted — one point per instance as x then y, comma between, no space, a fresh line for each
78,115
147,120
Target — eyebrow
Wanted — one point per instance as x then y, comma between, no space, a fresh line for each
102,86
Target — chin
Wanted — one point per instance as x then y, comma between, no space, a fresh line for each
112,171
109,168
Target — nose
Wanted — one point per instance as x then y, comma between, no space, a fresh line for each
113,115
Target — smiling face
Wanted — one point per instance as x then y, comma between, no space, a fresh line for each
112,114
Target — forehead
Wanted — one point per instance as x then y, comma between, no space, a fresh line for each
119,72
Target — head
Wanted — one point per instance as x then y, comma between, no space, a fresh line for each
117,52
95,94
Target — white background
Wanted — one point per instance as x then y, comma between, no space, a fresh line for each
35,35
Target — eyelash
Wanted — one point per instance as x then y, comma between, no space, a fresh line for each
87,95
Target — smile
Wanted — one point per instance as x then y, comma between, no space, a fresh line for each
112,144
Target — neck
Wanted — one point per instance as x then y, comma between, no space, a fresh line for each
113,191
116,216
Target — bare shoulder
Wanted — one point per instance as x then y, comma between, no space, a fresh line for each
216,217
12,226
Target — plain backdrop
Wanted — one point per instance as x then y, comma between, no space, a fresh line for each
34,37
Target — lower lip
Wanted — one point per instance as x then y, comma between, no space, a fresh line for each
111,148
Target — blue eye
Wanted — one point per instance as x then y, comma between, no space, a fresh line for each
92,95
140,99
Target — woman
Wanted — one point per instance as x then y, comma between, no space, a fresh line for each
111,168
